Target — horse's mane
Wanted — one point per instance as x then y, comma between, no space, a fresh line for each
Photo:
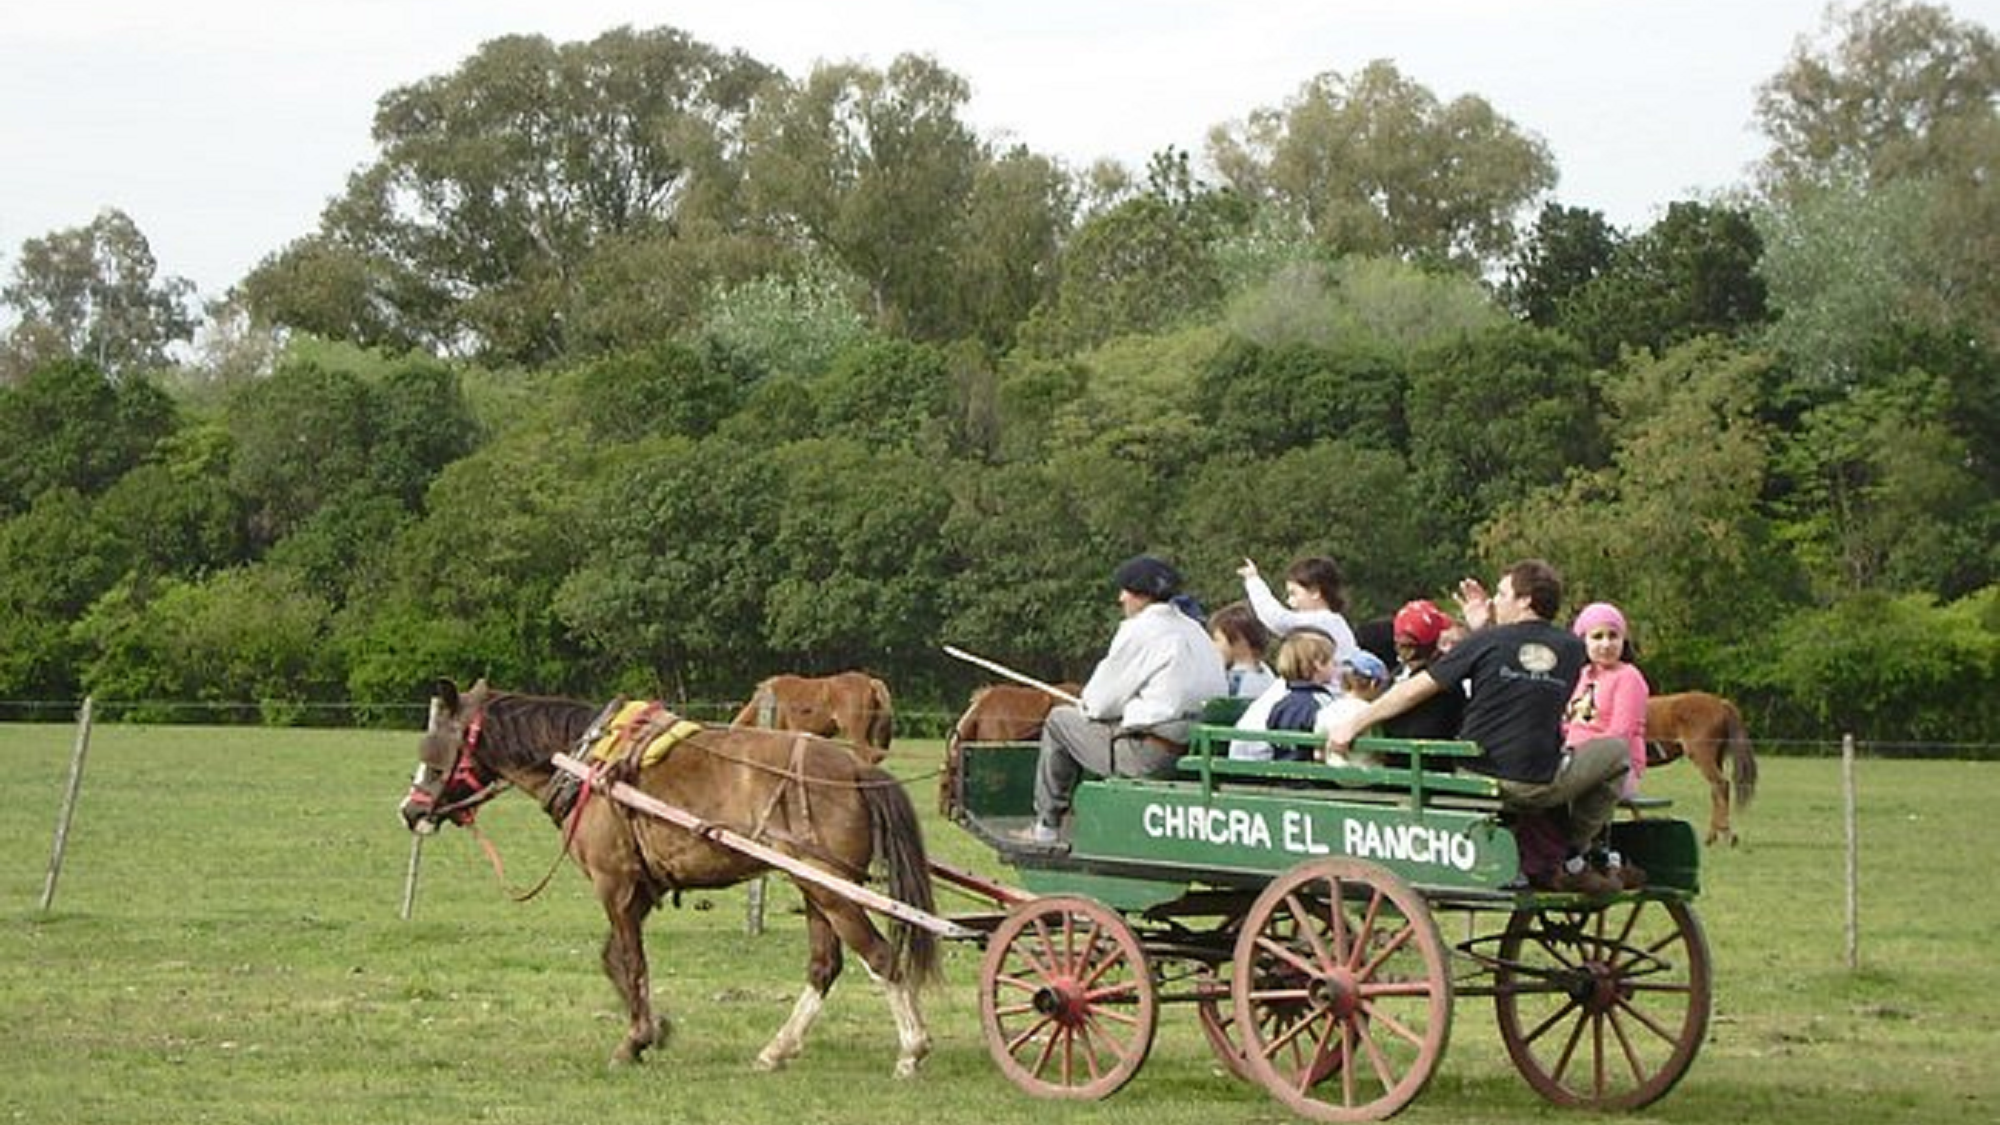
528,730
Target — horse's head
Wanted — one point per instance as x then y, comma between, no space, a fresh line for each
450,782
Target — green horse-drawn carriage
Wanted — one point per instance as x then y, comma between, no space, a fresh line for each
1296,906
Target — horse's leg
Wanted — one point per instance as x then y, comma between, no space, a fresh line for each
822,969
624,961
1707,757
913,1039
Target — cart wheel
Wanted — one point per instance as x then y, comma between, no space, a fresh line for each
1066,998
1343,994
1217,1012
1604,1009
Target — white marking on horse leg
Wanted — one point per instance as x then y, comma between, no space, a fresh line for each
790,1040
913,1041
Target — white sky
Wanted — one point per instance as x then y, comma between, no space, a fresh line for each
222,127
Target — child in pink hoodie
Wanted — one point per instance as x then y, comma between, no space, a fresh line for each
1610,696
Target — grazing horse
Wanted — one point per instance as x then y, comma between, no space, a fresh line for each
997,713
850,705
1705,728
804,796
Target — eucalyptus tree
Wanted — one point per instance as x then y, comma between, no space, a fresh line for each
512,194
878,170
1376,164
1900,101
93,294
1884,93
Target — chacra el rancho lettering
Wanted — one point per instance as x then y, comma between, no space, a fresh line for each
1298,832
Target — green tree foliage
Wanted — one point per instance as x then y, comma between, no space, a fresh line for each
1673,529
92,294
1335,497
1376,165
1379,303
786,324
860,569
1878,97
1491,419
1845,266
1693,273
665,388
69,425
1903,96
1144,264
498,185
1028,576
876,168
669,581
1882,495
255,634
333,424
1900,669
891,394
55,560
1567,249
1265,401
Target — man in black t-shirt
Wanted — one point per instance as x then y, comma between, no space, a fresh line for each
1517,672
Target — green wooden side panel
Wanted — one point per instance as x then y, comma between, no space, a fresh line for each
999,778
1665,848
1243,831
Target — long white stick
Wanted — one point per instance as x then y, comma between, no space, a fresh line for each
1017,677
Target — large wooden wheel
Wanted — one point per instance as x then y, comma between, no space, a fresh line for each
1066,998
1343,991
1217,1012
1604,1008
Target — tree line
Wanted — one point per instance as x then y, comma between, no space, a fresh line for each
636,366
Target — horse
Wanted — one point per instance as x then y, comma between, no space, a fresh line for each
997,713
851,705
1705,728
812,799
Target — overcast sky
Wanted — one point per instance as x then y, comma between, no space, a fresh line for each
222,127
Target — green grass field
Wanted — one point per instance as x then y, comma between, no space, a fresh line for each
225,946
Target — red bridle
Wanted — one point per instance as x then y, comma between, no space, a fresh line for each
465,773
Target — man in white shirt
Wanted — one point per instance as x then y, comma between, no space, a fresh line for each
1139,702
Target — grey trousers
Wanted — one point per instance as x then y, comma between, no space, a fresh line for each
1588,785
1073,746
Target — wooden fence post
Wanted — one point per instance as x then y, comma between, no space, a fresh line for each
417,838
1853,852
70,793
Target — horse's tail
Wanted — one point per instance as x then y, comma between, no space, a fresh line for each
1742,760
899,846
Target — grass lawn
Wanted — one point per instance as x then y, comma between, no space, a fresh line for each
225,946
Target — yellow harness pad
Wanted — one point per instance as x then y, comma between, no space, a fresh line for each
629,721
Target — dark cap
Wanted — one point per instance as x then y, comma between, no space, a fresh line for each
1144,574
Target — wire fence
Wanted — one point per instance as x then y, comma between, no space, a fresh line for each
911,723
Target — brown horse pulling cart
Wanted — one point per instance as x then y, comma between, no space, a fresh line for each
1292,905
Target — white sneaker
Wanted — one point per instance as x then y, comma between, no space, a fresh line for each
1038,834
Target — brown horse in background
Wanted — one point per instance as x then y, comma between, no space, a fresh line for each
1705,729
807,797
854,706
997,713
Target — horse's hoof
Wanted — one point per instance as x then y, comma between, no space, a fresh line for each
767,1063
